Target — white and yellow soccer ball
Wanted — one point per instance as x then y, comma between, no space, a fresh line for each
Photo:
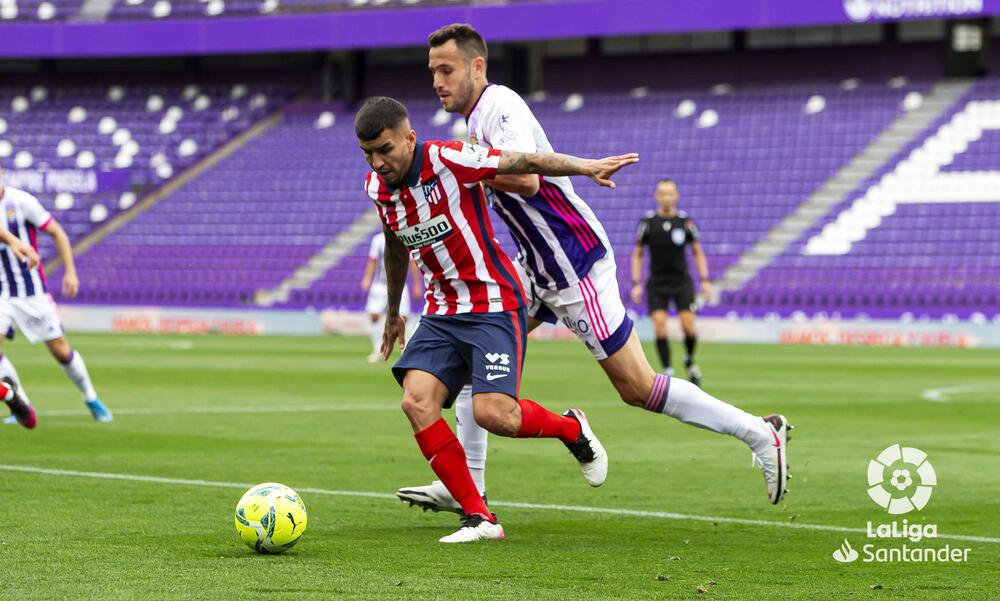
270,518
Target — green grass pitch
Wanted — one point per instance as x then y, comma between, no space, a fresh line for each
312,414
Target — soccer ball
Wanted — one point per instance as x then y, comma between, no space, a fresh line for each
270,518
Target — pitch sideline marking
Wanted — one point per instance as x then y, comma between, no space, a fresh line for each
244,409
944,394
259,409
664,515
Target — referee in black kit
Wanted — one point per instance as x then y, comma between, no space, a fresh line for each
667,232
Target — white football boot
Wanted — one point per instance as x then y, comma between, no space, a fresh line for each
475,528
433,496
773,460
588,451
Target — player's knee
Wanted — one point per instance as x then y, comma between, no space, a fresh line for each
61,351
635,390
415,407
633,396
659,325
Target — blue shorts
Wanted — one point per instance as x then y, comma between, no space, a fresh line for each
486,349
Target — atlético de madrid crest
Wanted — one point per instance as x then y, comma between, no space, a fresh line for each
432,191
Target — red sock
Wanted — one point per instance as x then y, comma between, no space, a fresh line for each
447,458
4,391
539,422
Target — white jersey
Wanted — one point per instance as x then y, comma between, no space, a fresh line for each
557,233
24,217
376,251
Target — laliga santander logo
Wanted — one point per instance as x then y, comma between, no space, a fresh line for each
901,479
846,553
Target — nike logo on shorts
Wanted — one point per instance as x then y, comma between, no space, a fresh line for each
492,377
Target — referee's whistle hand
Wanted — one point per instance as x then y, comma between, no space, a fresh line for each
637,294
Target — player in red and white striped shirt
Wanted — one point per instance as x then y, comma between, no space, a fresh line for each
467,273
474,326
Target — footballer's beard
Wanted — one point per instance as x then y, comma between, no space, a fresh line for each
397,172
393,178
462,100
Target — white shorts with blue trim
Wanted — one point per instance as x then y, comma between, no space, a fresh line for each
592,309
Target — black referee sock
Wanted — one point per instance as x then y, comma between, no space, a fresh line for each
663,348
689,343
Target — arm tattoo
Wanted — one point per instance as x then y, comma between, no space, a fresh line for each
547,163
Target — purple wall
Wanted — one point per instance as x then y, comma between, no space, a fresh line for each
409,26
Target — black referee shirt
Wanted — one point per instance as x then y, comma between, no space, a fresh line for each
667,239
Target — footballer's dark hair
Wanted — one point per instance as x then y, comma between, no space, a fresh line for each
468,40
378,114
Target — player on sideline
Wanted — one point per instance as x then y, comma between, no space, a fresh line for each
474,324
571,270
24,302
667,232
373,281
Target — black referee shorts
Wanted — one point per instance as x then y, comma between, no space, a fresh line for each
659,296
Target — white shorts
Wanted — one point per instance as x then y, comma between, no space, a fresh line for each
592,309
378,300
34,316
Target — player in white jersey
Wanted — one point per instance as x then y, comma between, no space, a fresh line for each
24,302
570,267
21,411
373,281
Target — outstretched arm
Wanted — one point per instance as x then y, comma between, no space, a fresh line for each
397,260
557,165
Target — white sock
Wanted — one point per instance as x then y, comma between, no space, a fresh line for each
472,437
76,369
7,369
378,327
686,402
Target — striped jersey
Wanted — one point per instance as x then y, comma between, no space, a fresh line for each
24,217
557,234
439,213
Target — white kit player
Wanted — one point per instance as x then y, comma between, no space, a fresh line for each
571,272
24,302
373,281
